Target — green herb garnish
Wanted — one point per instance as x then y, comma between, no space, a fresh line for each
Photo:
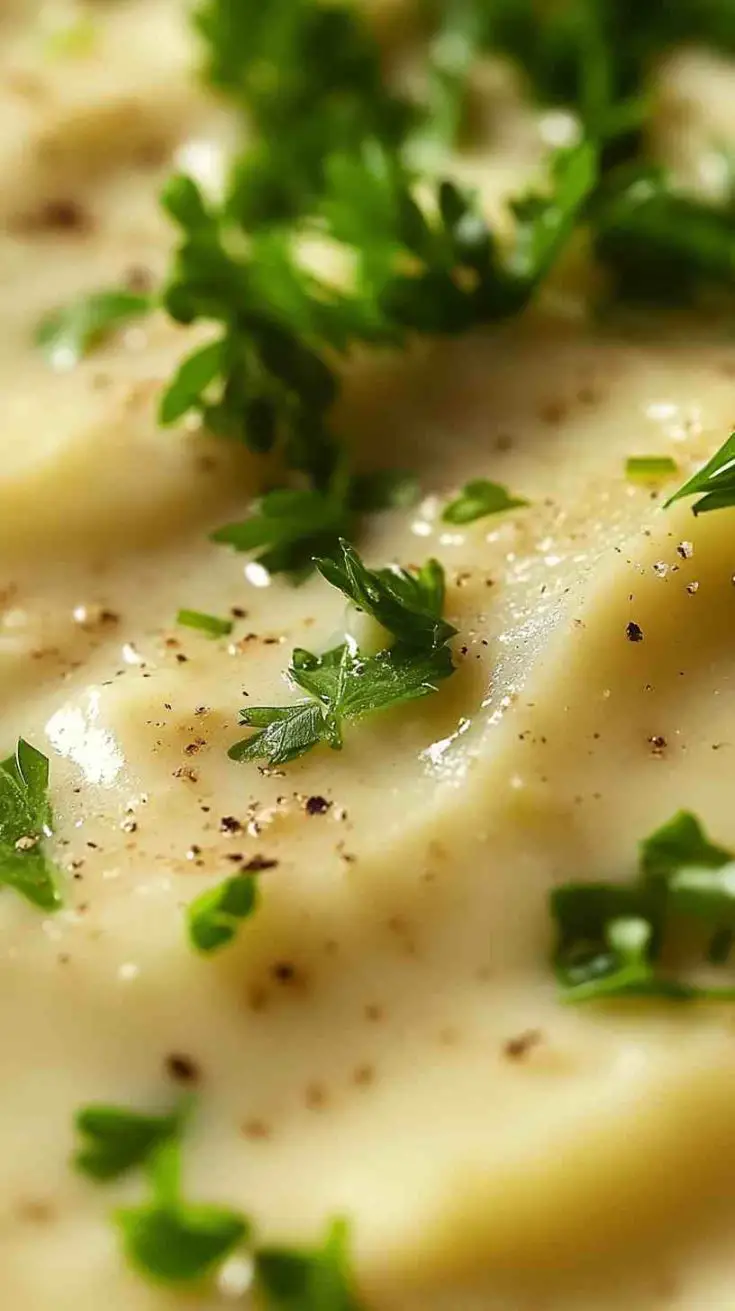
25,822
203,623
408,605
173,1241
68,334
116,1139
214,917
289,527
319,1279
478,499
660,245
649,468
596,55
384,489
343,685
331,152
715,482
678,844
611,936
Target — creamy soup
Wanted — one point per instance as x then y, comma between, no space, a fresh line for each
384,1040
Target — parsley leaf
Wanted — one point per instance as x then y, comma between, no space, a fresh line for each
478,499
343,685
214,917
610,937
212,625
173,1241
350,686
179,1244
408,605
346,686
25,821
289,1279
696,876
68,334
116,1139
290,526
285,732
679,843
545,220
715,481
190,382
588,962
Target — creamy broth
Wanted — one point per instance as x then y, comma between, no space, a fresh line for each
385,1040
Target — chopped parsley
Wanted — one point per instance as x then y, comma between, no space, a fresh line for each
214,917
677,845
611,937
68,334
211,625
287,527
171,1240
714,483
596,55
342,685
310,1279
115,1139
331,151
26,821
408,605
650,468
478,499
174,1242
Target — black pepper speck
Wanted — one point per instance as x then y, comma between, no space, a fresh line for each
316,805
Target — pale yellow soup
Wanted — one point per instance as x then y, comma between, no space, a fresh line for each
385,1040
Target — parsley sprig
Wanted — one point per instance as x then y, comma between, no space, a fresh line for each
343,685
611,937
26,821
